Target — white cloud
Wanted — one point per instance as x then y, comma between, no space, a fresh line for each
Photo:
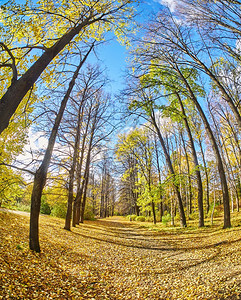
37,141
34,150
171,4
238,46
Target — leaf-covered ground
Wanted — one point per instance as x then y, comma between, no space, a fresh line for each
116,259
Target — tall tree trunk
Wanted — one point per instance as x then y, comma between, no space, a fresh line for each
206,175
189,207
83,203
87,166
169,163
153,211
103,189
78,197
41,173
195,160
72,170
159,178
227,163
226,205
77,201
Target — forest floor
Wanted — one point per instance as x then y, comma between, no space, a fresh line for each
117,259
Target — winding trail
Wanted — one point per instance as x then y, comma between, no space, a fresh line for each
116,259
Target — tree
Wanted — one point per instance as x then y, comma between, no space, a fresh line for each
168,46
128,186
107,188
92,81
168,84
143,102
41,173
91,19
12,144
95,130
199,51
138,145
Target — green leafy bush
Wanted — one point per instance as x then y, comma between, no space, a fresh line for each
140,219
166,218
21,207
89,215
132,217
45,208
59,210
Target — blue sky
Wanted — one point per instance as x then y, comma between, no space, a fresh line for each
113,56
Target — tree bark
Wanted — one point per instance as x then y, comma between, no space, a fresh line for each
41,173
169,163
72,172
83,203
153,211
189,203
159,178
86,179
206,175
78,198
195,160
226,205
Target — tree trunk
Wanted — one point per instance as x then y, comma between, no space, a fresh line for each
83,203
206,175
159,178
86,174
189,207
153,211
169,163
226,205
39,182
78,197
72,170
195,160
41,173
172,210
77,201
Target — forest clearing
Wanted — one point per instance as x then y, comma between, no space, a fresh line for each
114,258
120,139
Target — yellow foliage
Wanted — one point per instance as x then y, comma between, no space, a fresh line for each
116,259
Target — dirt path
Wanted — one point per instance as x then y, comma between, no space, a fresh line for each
17,212
116,259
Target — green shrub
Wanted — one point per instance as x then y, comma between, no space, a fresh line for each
216,212
21,207
140,219
59,210
133,217
45,208
89,215
166,218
